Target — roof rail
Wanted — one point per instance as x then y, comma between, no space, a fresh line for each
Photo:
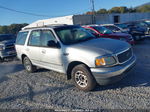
26,28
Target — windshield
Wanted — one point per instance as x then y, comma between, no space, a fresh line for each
72,35
112,28
103,30
6,37
123,26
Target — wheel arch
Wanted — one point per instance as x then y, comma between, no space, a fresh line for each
71,66
22,57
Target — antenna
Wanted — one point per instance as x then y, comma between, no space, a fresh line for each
93,11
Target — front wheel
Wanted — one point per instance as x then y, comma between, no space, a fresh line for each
82,77
28,65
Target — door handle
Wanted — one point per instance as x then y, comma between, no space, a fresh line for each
43,51
65,54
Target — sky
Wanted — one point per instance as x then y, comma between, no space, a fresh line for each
54,8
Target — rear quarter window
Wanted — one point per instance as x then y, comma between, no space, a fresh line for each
21,38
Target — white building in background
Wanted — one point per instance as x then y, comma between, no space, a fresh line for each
88,19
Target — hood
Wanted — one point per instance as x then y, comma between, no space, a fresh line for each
7,42
119,34
100,46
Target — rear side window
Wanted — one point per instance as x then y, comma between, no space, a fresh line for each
21,38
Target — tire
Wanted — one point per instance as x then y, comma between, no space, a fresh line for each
82,78
28,65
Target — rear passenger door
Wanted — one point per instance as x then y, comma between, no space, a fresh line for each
33,47
51,57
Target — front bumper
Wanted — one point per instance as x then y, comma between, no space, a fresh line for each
105,76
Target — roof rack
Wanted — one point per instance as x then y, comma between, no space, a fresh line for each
42,26
58,21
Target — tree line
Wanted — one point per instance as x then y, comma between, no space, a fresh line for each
12,29
142,9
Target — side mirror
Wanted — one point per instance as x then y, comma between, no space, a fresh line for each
53,44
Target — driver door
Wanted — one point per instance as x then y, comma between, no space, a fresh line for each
51,57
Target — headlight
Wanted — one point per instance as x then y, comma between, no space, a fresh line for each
2,47
105,61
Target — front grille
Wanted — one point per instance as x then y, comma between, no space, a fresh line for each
9,47
124,56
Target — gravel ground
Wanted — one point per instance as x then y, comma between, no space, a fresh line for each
50,90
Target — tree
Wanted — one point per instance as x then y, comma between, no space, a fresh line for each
145,8
118,10
3,29
123,9
12,29
114,10
89,13
102,11
132,10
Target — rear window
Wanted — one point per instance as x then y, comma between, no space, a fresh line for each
21,38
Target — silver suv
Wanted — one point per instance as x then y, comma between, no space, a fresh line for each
75,52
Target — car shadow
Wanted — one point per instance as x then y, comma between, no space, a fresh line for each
40,70
139,77
31,93
6,69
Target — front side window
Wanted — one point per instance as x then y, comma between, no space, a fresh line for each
35,38
103,30
47,36
21,38
72,35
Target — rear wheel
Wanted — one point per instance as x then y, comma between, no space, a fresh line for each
82,77
28,65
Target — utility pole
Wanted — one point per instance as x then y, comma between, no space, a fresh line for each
93,11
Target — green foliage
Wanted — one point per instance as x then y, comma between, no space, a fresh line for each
12,29
89,13
145,8
102,11
123,9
